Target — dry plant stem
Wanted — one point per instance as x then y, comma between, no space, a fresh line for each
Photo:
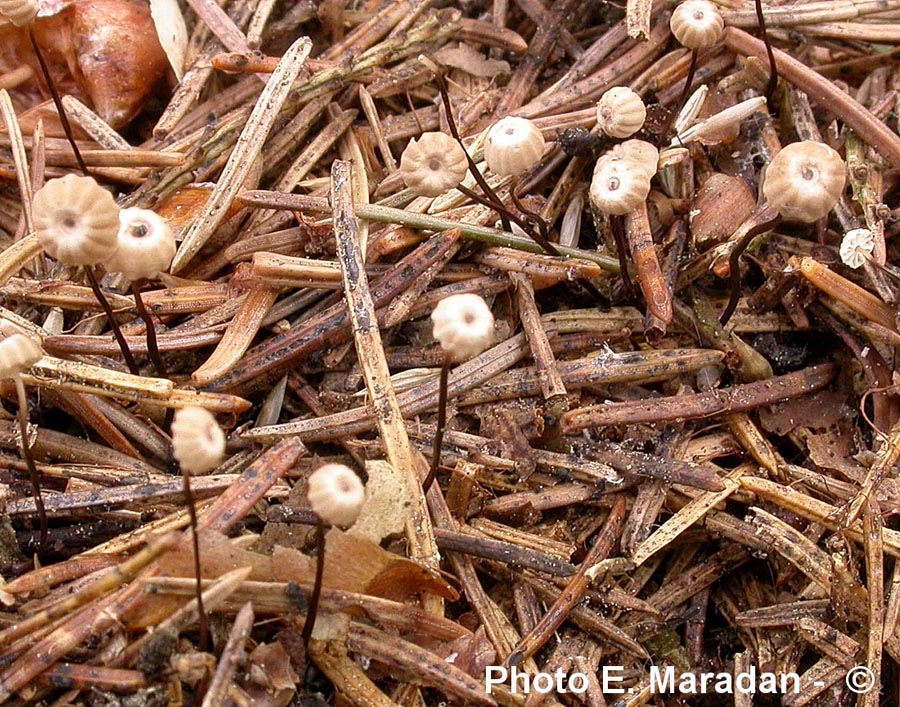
216,593
441,424
874,551
552,387
195,541
57,101
329,328
220,24
773,70
884,462
637,17
275,598
232,656
94,125
238,335
588,571
521,84
111,578
813,12
685,518
33,474
815,510
347,676
849,293
387,214
20,159
499,630
360,305
152,346
760,222
312,606
738,398
824,93
649,273
17,76
117,332
246,150
402,656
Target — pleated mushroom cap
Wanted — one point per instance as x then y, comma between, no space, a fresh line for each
76,220
145,245
804,181
512,146
18,352
433,165
198,443
463,325
336,494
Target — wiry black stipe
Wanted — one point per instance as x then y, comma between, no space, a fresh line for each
493,201
117,332
57,101
152,344
203,619
441,424
734,273
313,604
773,71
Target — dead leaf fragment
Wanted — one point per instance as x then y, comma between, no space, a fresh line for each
387,504
464,57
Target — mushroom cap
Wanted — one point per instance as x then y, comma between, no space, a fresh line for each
640,153
513,145
463,325
433,165
19,12
198,443
697,24
18,352
804,181
336,494
618,186
857,244
620,112
146,245
76,220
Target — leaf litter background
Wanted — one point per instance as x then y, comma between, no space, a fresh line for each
691,523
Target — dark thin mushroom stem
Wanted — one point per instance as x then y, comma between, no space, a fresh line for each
203,619
117,332
543,232
312,607
152,346
761,222
57,101
685,93
473,168
503,211
773,71
493,200
441,424
33,474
